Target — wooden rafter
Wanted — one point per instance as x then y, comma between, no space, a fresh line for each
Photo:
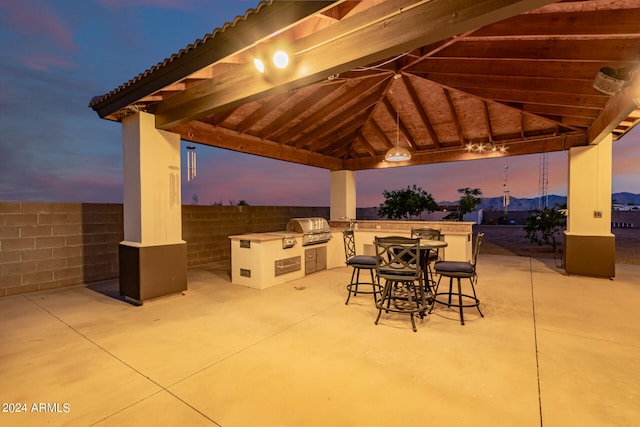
454,115
423,115
506,77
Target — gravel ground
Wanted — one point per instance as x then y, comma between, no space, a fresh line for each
511,240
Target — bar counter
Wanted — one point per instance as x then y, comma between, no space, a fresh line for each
261,260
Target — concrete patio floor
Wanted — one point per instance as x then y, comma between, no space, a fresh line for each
552,350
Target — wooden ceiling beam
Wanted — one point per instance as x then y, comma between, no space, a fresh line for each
399,125
423,115
381,134
355,117
617,110
487,120
532,146
565,50
537,84
535,97
330,109
218,118
368,147
299,108
222,138
454,115
379,32
513,67
556,24
266,108
559,110
343,146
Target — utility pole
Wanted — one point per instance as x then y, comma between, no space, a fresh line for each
505,190
543,182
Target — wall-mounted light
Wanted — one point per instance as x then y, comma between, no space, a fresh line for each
279,59
275,61
259,64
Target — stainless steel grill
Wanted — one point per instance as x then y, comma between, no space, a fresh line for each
314,230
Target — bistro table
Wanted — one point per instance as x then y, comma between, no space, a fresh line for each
426,245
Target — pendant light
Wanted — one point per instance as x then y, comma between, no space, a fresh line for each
397,153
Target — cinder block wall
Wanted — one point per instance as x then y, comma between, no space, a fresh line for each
206,229
51,245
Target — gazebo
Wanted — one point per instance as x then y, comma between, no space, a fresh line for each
437,80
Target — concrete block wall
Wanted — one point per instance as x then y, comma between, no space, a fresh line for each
50,245
206,229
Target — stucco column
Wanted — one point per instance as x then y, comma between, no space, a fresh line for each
589,243
342,194
153,256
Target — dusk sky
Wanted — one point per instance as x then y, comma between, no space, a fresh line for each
58,54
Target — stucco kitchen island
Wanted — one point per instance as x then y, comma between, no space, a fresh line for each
261,260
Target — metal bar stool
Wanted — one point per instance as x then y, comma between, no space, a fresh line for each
433,254
398,263
459,270
359,262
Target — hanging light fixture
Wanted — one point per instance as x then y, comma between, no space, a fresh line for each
397,153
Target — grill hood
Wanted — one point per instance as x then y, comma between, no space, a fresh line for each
314,230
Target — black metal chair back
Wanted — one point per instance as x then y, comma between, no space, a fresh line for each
476,250
349,244
398,258
426,233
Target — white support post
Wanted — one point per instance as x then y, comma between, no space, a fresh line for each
153,254
589,243
343,194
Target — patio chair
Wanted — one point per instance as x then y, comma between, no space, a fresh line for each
398,264
459,270
359,262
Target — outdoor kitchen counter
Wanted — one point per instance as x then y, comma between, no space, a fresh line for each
261,260
458,235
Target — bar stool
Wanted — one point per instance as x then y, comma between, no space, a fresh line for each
398,263
459,270
434,254
359,262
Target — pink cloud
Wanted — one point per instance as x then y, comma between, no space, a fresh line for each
37,18
164,4
43,61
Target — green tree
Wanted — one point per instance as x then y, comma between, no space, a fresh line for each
544,226
403,204
470,199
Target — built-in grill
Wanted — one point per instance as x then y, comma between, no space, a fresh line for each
314,230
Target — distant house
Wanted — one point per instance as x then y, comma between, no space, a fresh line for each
621,207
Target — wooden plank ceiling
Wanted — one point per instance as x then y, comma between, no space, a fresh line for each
463,84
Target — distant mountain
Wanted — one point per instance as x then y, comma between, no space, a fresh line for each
525,204
626,198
